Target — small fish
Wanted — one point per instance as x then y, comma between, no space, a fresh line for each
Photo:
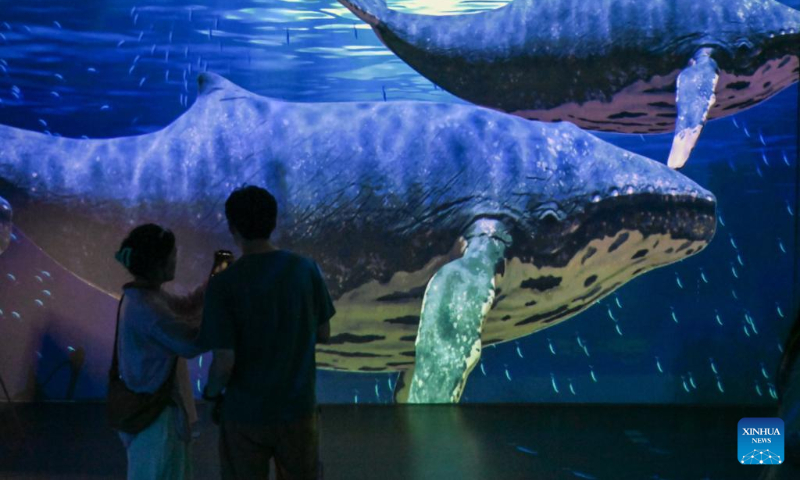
719,386
580,342
746,332
658,365
759,172
355,31
785,159
764,371
616,299
571,388
691,381
384,93
141,82
11,277
39,302
526,450
789,208
355,398
583,475
508,375
55,95
733,243
170,36
678,280
591,374
586,350
153,49
713,365
685,386
553,382
703,276
389,382
735,123
166,55
483,370
550,345
519,352
141,35
16,315
105,107
91,70
721,220
672,314
780,348
758,390
764,158
746,131
734,272
120,43
198,386
57,25
739,259
200,361
772,392
130,70
778,308
135,18
734,295
616,327
761,139
136,59
46,274
780,245
42,122
288,40
47,293
611,316
166,76
377,392
216,23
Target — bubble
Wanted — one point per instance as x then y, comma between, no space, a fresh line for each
5,224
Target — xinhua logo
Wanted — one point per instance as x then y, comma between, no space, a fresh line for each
761,441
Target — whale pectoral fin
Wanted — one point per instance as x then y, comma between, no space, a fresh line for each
455,306
694,99
403,386
6,224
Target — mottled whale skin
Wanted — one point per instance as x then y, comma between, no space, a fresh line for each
605,65
379,198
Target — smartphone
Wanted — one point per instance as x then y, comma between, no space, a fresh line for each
222,260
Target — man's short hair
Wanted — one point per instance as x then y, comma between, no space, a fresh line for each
252,211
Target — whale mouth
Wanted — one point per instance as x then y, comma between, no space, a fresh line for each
690,217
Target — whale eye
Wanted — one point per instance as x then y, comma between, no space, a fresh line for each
549,217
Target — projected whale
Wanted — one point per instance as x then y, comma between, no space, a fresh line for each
630,66
440,228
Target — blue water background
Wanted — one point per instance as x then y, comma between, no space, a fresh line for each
681,334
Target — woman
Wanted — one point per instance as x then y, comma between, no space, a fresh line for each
157,332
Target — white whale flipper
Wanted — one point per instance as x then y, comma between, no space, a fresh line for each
694,99
456,302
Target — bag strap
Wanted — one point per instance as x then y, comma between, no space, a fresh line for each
114,372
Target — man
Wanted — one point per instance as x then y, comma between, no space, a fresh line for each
263,317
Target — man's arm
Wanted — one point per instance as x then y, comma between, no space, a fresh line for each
324,332
220,372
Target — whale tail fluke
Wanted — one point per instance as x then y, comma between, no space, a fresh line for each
370,11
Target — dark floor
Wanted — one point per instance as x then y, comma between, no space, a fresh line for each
71,440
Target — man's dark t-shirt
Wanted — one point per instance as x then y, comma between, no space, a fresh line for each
267,307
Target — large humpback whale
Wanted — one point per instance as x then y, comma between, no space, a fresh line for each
469,228
631,66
